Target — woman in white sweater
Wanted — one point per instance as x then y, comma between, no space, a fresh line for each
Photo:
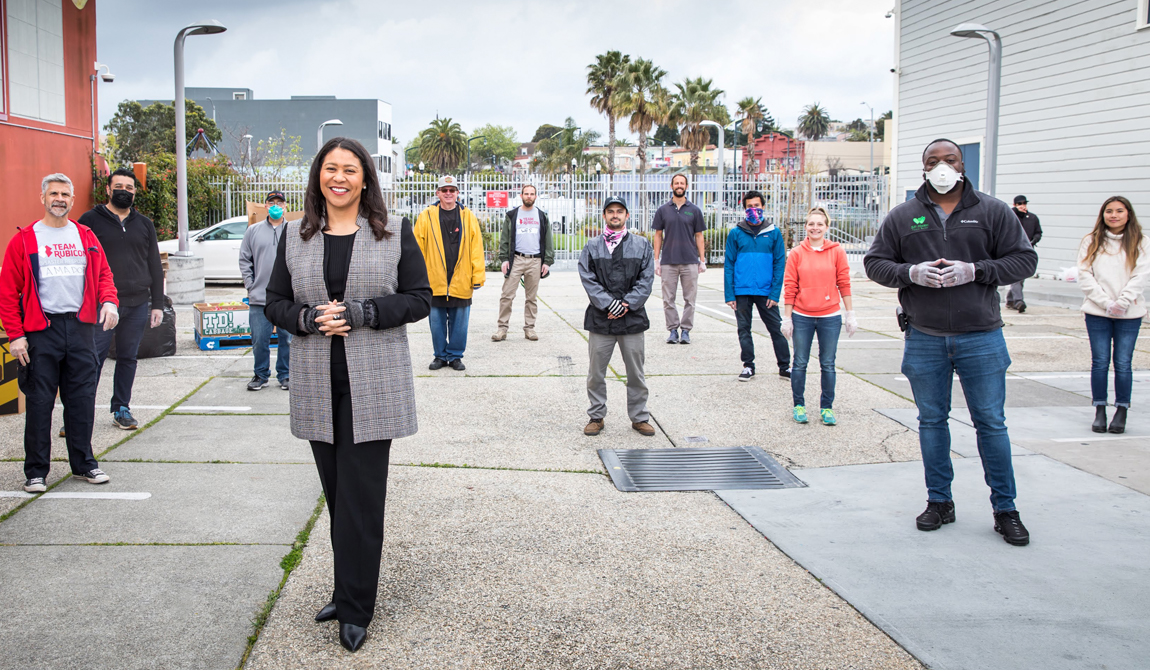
1113,266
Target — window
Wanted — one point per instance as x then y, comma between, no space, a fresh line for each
239,95
36,59
381,130
1143,14
971,154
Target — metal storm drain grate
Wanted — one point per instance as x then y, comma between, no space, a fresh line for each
697,468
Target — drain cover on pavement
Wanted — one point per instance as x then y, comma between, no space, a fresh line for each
698,468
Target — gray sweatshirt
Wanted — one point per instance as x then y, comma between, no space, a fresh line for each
257,256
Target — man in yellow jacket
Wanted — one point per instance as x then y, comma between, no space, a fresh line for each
452,244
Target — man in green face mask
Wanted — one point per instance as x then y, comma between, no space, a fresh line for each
257,255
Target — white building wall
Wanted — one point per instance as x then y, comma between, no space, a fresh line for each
1075,109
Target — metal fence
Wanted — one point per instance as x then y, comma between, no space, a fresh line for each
573,203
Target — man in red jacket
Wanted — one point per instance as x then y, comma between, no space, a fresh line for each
55,287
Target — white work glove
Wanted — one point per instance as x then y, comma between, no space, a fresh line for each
851,323
957,273
788,328
927,274
109,316
1115,310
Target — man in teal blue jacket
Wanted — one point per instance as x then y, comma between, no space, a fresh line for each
753,278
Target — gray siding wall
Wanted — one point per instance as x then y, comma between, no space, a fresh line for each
1075,109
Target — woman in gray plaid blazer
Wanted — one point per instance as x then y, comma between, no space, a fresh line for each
346,283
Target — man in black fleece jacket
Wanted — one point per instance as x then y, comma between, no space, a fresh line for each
947,251
129,241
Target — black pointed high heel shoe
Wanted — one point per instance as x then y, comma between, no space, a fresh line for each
326,613
1099,425
1118,424
351,636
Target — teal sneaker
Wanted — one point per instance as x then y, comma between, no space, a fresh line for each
828,417
800,414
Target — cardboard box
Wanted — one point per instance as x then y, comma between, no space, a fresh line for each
11,398
216,320
257,212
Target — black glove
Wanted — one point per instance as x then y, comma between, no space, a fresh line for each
307,322
361,313
617,308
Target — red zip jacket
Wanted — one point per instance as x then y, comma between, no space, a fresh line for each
20,310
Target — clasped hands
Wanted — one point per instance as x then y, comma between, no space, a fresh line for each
942,273
330,319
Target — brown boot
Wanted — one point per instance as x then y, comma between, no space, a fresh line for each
593,427
643,428
530,334
500,335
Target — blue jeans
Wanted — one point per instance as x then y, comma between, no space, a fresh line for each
1122,335
449,332
261,346
828,329
129,331
981,360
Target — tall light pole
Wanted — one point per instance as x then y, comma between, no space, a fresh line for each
206,28
993,85
870,132
213,103
722,140
319,132
469,141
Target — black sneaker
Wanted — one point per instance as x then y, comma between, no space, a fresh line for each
122,419
94,476
1010,526
35,485
257,383
747,374
457,364
284,384
436,364
1021,307
785,372
937,513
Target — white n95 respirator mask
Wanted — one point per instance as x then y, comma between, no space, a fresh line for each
943,177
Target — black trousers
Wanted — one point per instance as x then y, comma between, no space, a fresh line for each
744,318
62,358
128,333
354,479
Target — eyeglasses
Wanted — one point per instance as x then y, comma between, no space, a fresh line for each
449,190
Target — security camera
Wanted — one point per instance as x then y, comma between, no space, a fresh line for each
105,73
108,77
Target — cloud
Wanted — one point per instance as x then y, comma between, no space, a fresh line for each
505,62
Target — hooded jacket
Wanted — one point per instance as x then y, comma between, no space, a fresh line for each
133,254
470,268
816,279
981,230
20,311
754,263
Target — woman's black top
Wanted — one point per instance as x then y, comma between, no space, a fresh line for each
410,302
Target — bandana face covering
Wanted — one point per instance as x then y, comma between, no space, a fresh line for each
613,238
755,216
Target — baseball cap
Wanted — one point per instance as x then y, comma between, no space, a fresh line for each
275,194
615,200
447,180
1020,200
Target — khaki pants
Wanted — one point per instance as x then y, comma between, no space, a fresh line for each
601,347
529,269
688,274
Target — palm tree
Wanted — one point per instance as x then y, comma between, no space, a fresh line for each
442,145
557,152
753,112
694,102
602,83
642,98
814,122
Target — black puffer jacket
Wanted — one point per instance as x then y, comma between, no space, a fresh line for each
981,230
626,274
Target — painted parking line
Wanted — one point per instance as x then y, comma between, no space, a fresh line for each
1093,439
192,408
119,496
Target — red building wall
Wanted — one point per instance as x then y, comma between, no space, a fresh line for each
30,149
776,152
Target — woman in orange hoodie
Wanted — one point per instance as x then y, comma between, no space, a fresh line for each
817,277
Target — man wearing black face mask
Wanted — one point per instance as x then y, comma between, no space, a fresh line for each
129,242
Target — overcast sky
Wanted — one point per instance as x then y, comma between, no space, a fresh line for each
504,61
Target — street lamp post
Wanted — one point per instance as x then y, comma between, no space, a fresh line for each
469,141
870,131
722,140
993,85
213,103
249,151
206,28
319,132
